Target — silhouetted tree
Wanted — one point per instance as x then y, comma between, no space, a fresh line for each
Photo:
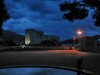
46,43
69,41
3,15
77,10
10,43
50,43
1,43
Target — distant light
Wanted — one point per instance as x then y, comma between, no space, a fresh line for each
23,46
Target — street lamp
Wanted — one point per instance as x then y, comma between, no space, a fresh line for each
74,38
79,32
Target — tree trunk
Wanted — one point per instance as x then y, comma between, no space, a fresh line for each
1,23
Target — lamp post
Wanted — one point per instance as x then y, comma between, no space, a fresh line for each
74,38
79,32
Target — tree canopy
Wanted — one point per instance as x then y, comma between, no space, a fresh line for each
3,15
78,10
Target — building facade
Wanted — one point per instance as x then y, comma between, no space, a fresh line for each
34,37
88,43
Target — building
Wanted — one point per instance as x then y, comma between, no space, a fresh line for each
34,37
88,43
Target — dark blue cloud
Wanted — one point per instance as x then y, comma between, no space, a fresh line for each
10,4
46,16
41,6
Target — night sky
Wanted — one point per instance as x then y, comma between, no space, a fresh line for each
45,15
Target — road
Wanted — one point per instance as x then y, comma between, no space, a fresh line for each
66,58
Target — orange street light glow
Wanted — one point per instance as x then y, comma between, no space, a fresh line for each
79,32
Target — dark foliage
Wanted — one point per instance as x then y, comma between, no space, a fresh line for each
77,10
10,43
69,41
1,43
7,43
3,15
50,43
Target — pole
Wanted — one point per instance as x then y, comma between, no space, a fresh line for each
79,42
74,42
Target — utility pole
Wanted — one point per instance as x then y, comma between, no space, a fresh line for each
74,42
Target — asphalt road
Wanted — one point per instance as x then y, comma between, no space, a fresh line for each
66,58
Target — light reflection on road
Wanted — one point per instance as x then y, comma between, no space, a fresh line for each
65,52
35,71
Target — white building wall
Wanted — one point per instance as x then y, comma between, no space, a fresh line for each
27,38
